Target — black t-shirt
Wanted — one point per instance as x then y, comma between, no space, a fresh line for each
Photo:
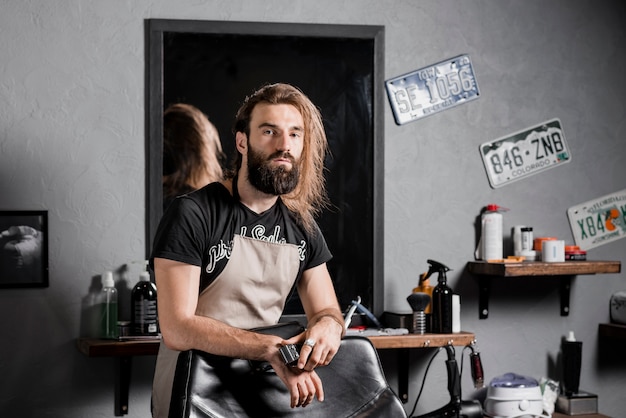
198,229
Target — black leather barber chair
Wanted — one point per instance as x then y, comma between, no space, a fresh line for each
354,386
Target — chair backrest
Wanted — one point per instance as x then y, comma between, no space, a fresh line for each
354,386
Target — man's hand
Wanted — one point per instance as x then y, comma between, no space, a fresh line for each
303,385
319,343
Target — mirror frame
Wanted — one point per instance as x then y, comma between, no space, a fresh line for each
154,86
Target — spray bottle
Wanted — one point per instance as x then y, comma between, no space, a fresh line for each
424,286
441,300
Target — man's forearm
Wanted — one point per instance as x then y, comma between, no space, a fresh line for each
215,337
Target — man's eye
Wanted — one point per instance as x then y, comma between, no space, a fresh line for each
268,132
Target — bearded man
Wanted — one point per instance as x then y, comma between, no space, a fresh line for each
227,257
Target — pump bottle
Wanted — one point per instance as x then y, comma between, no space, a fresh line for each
441,321
107,302
144,307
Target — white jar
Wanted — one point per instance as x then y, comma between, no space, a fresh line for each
491,234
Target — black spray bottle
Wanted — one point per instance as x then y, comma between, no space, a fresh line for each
442,300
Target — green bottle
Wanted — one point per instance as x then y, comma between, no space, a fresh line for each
107,304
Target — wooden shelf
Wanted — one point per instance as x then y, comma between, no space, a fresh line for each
612,331
93,347
538,268
423,341
563,270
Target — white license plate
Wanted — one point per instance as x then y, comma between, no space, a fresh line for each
432,89
599,221
525,153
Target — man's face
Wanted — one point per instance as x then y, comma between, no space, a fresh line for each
274,148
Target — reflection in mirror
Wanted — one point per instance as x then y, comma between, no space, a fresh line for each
192,151
214,65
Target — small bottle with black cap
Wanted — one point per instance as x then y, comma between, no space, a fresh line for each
144,307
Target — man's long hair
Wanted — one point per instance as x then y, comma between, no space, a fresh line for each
309,197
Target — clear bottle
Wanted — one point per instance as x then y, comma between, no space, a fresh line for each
144,307
491,233
107,302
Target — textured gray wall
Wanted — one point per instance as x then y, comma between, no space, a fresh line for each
72,142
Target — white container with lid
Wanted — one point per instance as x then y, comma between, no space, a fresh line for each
491,234
513,395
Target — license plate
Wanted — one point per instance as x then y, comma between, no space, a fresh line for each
525,153
432,89
599,221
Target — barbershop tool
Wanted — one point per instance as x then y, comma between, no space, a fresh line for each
424,286
419,301
290,354
348,317
476,366
356,305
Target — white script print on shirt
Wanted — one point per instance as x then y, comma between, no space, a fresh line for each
223,250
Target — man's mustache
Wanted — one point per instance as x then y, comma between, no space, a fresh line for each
282,154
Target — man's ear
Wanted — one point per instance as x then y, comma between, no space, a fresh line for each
241,142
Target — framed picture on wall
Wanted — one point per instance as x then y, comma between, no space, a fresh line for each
23,249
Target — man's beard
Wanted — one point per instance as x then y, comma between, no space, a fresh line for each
272,180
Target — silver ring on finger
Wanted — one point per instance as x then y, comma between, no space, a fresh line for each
310,342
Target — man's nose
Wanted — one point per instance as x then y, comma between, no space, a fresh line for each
283,142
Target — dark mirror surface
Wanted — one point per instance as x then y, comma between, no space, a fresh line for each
214,65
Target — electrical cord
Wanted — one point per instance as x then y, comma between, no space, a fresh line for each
462,360
424,380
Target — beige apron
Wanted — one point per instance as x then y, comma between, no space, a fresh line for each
250,292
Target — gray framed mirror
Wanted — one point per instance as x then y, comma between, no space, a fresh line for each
215,64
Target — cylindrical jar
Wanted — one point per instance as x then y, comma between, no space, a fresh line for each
491,234
527,238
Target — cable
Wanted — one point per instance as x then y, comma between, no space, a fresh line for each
462,359
424,380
